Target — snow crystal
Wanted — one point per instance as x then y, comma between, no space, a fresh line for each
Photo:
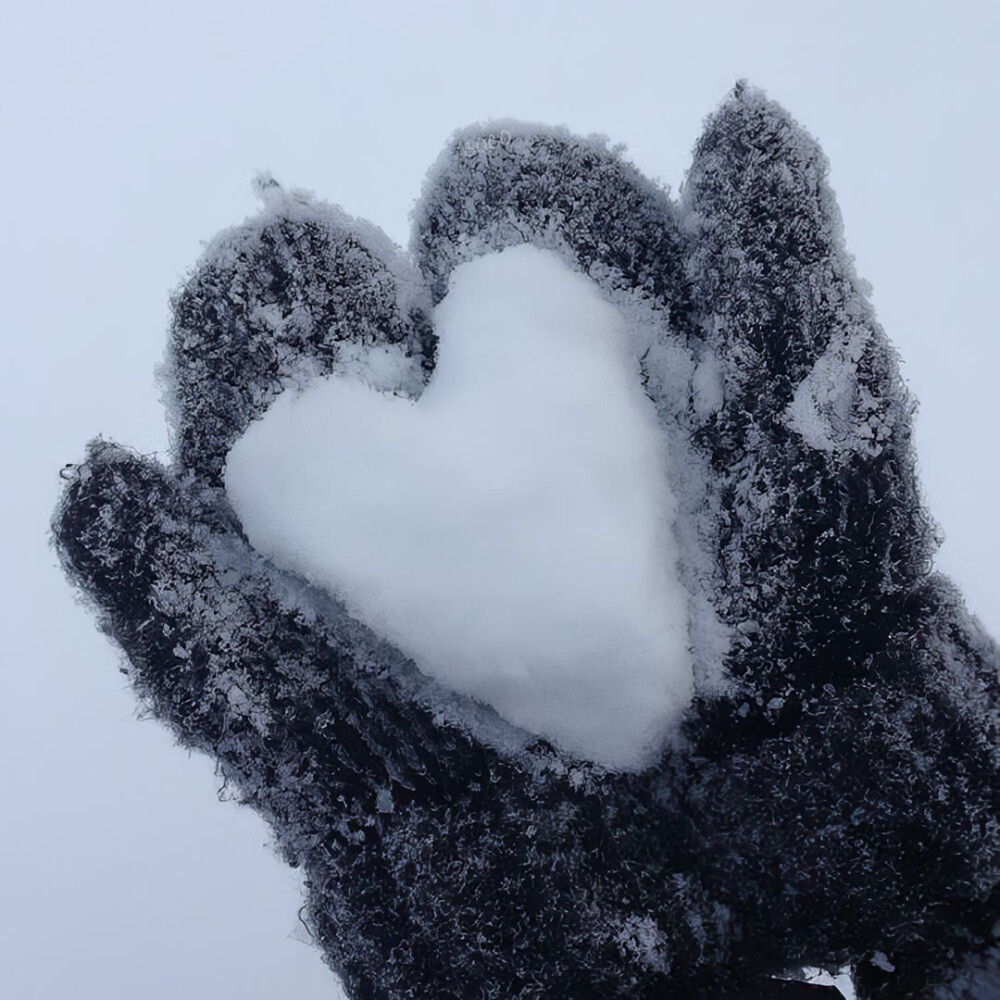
643,940
707,390
385,367
840,979
833,410
511,529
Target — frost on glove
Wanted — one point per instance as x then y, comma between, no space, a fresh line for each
832,797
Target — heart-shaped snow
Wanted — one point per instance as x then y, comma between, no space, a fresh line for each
511,529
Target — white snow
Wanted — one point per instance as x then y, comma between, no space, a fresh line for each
707,387
833,410
511,529
841,979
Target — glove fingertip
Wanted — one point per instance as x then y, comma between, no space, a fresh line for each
503,183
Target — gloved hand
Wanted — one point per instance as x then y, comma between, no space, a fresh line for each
835,800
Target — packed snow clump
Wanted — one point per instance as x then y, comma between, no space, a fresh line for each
511,528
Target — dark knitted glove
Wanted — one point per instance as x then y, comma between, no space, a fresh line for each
836,799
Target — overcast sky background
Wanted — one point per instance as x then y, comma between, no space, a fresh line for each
129,135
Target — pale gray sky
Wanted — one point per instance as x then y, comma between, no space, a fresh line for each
130,132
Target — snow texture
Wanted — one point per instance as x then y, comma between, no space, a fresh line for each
512,529
835,800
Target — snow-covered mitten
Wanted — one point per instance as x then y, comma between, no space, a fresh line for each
830,795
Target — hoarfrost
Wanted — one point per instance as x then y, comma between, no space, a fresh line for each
832,407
